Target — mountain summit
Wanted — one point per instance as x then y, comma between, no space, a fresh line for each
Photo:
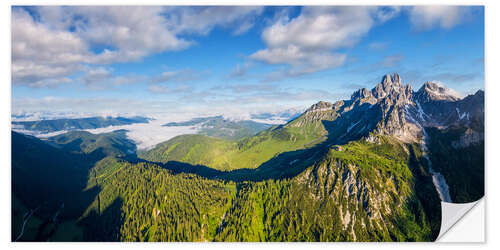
437,91
388,85
391,108
363,169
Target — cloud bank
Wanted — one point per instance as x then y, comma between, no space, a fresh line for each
52,43
310,42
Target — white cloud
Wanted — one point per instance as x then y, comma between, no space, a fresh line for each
163,89
251,98
35,40
243,27
392,60
95,75
41,55
301,62
183,75
428,17
94,105
240,70
61,40
306,43
103,78
133,32
147,135
159,89
320,28
50,82
144,135
289,54
202,20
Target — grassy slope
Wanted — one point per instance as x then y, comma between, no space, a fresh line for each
307,207
158,205
144,201
249,152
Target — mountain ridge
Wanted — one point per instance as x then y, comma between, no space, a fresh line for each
62,124
363,169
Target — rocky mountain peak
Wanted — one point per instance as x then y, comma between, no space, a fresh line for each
387,80
396,79
361,94
432,91
480,93
387,85
320,106
391,108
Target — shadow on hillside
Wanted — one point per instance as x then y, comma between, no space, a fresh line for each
427,193
287,164
105,225
284,165
61,183
51,181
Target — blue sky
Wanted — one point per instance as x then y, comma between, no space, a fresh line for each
233,60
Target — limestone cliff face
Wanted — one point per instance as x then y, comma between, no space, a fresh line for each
393,108
393,97
469,138
359,200
367,197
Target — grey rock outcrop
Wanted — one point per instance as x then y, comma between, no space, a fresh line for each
393,108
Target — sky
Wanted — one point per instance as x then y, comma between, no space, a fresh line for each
233,60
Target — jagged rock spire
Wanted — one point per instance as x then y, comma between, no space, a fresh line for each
391,108
360,94
396,78
387,80
387,84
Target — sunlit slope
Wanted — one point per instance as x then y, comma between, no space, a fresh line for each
357,192
250,152
360,191
145,202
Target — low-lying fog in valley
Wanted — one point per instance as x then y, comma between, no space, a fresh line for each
147,135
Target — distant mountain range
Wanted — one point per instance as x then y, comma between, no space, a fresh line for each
47,126
371,168
217,126
277,117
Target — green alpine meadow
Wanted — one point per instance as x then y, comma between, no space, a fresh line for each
244,123
353,170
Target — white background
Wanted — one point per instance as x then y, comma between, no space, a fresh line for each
470,228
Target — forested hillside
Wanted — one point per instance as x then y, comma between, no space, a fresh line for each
46,126
371,168
344,195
